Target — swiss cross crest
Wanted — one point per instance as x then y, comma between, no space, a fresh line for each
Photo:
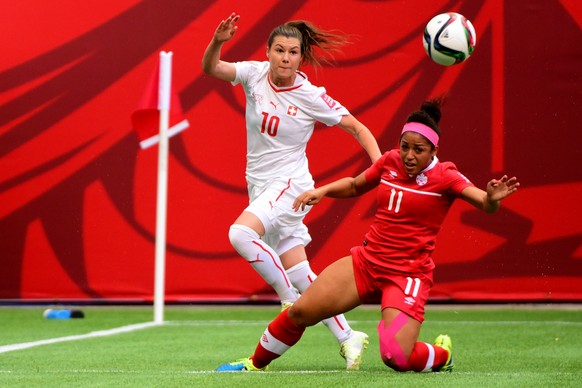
292,110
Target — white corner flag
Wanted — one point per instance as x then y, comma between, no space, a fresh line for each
158,117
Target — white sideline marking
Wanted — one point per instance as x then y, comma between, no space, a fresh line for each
473,374
93,334
202,372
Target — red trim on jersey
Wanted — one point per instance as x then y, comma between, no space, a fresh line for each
285,189
411,190
285,89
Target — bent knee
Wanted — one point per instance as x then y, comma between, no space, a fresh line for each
393,357
301,316
391,351
234,235
395,364
239,234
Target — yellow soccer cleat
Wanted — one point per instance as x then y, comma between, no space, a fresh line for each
445,342
241,365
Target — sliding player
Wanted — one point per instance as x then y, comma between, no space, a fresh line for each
393,266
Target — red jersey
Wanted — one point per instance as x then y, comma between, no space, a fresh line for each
411,210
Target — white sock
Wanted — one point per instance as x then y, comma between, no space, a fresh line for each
301,277
263,259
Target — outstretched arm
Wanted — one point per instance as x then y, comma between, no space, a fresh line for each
351,125
211,62
490,200
342,188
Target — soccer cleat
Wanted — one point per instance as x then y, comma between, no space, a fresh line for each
445,342
353,348
241,365
286,305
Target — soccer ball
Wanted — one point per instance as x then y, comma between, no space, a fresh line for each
449,39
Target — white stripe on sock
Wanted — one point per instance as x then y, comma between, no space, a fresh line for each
272,344
430,360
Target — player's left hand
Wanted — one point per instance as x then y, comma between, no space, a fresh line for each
309,198
498,189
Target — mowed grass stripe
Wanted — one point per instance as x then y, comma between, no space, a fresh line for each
214,323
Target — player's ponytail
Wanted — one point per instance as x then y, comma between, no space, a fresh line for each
310,37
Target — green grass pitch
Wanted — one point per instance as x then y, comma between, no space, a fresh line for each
494,346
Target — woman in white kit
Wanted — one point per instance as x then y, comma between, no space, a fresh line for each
281,112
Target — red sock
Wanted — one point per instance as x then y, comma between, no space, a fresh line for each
280,335
440,356
424,358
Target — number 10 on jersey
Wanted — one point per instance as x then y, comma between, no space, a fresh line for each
270,124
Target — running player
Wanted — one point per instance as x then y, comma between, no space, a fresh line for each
282,107
393,266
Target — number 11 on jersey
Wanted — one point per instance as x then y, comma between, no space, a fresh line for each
393,194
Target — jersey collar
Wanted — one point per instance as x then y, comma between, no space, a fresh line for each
298,82
435,160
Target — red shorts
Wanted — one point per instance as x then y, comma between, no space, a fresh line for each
405,292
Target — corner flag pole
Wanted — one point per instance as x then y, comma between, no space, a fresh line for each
162,194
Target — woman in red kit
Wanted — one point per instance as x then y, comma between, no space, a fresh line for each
393,266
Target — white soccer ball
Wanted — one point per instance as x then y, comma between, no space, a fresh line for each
449,39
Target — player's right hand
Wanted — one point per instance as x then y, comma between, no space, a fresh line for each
227,28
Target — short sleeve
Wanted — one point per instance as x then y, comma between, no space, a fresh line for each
457,181
374,172
327,110
244,71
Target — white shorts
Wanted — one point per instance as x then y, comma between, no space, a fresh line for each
273,205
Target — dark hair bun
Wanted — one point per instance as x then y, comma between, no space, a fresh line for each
433,108
429,114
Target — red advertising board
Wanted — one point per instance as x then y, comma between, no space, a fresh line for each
78,196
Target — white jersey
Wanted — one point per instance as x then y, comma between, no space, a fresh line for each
280,122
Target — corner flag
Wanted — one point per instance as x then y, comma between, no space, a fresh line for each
159,117
146,118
